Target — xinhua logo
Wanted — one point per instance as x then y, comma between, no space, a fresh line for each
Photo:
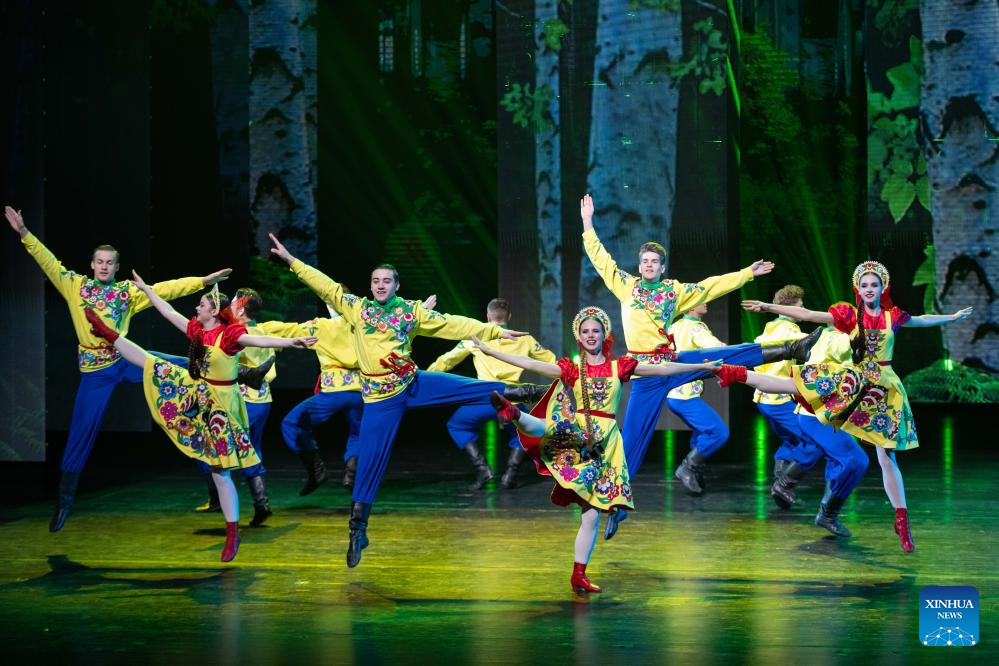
948,616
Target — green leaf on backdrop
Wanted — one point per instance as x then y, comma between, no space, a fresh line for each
905,80
554,30
926,275
898,193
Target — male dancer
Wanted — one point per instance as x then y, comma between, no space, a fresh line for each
797,454
649,304
708,431
100,369
467,421
383,330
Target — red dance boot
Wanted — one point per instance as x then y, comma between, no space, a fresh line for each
580,583
506,411
902,530
98,327
231,541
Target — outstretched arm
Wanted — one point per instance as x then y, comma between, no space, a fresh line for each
272,342
615,279
164,308
330,291
667,369
16,221
802,314
540,367
923,321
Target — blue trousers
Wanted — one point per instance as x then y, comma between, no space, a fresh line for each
794,446
648,396
846,462
92,397
709,430
297,426
467,421
381,419
258,413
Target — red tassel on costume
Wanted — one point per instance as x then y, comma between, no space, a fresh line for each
902,530
98,327
729,374
506,411
580,583
231,541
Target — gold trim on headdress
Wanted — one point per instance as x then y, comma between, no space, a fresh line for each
591,312
869,266
215,296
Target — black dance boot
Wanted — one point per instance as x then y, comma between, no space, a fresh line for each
783,488
483,474
254,377
316,470
212,505
64,503
509,478
261,505
796,350
359,512
527,394
828,512
780,466
689,472
349,471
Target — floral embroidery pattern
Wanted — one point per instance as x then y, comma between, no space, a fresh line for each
395,319
659,302
111,301
335,380
193,419
95,359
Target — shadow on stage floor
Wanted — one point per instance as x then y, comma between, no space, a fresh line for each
456,575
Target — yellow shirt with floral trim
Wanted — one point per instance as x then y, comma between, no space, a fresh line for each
648,309
691,333
382,333
335,350
488,368
781,329
115,302
251,357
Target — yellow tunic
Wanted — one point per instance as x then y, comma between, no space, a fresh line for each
206,421
597,474
648,309
781,329
252,357
382,334
115,302
492,369
867,400
335,351
691,333
832,347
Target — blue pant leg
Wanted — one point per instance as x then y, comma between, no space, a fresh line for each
92,397
297,425
354,411
846,461
513,437
181,361
379,425
709,430
647,399
439,388
467,421
795,447
258,413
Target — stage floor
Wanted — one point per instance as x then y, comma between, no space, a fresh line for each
458,576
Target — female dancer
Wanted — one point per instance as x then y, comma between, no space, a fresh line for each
867,399
200,407
572,433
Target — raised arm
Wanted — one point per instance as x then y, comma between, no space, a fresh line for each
540,367
57,274
667,369
171,289
615,279
330,291
272,342
802,314
923,321
164,308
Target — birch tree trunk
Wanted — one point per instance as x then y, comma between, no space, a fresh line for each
960,112
548,182
281,178
632,165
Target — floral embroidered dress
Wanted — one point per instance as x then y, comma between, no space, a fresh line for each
867,400
205,418
589,475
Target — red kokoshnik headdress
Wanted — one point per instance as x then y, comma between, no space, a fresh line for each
874,268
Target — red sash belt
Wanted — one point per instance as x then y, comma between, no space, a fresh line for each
884,362
220,382
603,415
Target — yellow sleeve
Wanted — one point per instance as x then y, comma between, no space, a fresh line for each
452,327
167,290
57,274
284,329
618,281
693,294
445,362
703,338
326,288
539,353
